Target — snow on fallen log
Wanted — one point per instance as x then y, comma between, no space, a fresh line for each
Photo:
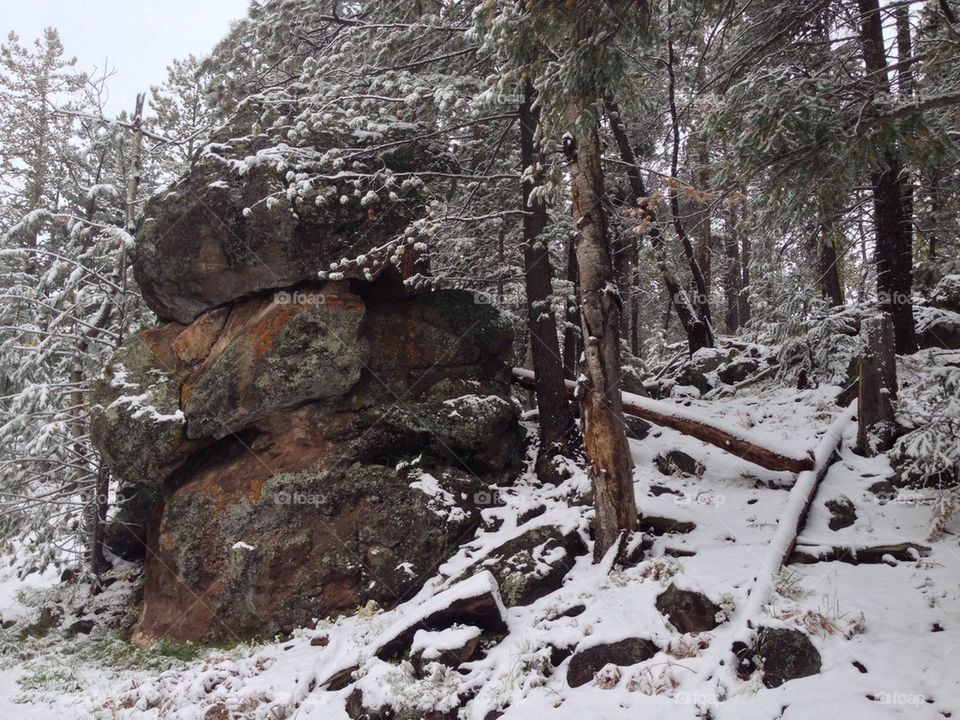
742,443
784,539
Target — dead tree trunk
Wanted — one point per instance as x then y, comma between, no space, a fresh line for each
699,332
601,408
878,386
557,428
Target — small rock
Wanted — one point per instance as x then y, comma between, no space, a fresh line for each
585,664
80,627
637,428
475,601
687,610
320,641
842,513
528,567
677,461
884,490
785,655
737,370
656,525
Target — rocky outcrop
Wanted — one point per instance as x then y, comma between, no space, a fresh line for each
236,227
298,448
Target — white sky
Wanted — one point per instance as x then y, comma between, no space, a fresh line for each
137,38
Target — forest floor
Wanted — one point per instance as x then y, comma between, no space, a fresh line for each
887,633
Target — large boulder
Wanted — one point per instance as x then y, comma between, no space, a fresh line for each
308,451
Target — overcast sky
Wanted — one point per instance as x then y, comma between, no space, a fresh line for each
137,38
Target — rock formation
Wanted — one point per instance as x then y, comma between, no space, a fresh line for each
298,447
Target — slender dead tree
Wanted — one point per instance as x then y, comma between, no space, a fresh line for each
601,405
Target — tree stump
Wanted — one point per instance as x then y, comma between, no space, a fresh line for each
878,385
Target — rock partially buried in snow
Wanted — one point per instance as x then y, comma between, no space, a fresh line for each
475,602
534,563
842,512
452,647
586,663
785,655
676,461
688,611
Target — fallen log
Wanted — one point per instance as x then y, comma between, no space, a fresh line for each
742,443
805,554
780,548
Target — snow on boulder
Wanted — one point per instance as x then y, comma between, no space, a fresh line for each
474,601
453,646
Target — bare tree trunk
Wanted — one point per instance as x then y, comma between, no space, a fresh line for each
827,270
557,428
701,300
601,406
699,333
571,336
878,386
746,255
894,235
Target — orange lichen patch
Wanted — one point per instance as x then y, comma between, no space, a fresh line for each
193,344
158,339
267,329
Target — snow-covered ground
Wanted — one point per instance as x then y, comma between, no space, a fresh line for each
888,633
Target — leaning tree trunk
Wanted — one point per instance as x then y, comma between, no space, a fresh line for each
698,330
557,428
894,235
601,407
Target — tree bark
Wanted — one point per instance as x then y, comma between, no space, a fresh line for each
601,408
701,299
878,386
571,334
827,270
733,273
557,428
745,258
894,234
